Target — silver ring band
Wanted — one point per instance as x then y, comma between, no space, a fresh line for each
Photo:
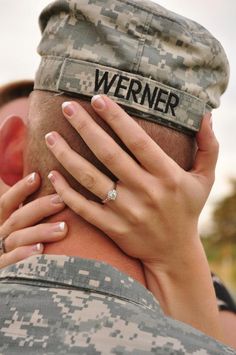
2,245
111,195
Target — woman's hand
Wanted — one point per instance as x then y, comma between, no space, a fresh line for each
21,235
155,215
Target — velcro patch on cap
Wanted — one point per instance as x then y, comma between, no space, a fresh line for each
141,96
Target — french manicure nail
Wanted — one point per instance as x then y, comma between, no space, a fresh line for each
59,227
50,139
31,179
56,199
68,108
51,177
98,102
37,248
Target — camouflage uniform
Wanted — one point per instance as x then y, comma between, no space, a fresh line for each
161,67
67,305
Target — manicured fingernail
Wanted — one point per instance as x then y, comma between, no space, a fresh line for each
51,177
37,248
31,179
59,227
98,102
50,139
56,200
68,108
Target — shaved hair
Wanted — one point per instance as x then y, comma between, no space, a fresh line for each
45,115
15,90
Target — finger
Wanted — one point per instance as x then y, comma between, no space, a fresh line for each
42,233
19,254
147,152
32,213
94,213
82,170
111,223
17,194
103,146
208,147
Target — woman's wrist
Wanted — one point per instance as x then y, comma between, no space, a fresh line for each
178,256
184,289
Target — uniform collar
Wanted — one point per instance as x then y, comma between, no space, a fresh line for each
77,273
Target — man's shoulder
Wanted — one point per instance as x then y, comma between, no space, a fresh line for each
64,305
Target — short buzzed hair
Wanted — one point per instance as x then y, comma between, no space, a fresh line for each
45,115
15,90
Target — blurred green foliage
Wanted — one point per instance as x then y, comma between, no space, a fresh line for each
220,243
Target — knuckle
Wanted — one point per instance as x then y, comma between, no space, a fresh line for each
118,232
114,115
62,155
12,242
88,181
81,124
150,188
109,157
173,183
39,230
62,192
123,232
40,204
68,197
136,216
139,144
152,197
12,222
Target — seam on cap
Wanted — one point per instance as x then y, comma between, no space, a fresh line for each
141,42
146,29
201,30
154,12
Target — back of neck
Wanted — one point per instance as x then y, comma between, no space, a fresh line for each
86,241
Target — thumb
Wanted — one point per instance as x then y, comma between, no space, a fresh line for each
208,147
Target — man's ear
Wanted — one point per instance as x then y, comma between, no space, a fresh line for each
12,140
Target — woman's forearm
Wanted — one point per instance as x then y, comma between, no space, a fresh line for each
185,291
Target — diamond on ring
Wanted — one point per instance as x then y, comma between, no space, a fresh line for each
111,195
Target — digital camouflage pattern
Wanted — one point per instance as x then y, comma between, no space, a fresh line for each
159,65
67,305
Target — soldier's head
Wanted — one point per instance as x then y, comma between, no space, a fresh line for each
165,70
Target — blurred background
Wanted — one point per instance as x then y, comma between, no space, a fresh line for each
19,36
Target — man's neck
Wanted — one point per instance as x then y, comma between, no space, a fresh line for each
86,241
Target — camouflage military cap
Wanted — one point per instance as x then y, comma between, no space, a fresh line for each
157,64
